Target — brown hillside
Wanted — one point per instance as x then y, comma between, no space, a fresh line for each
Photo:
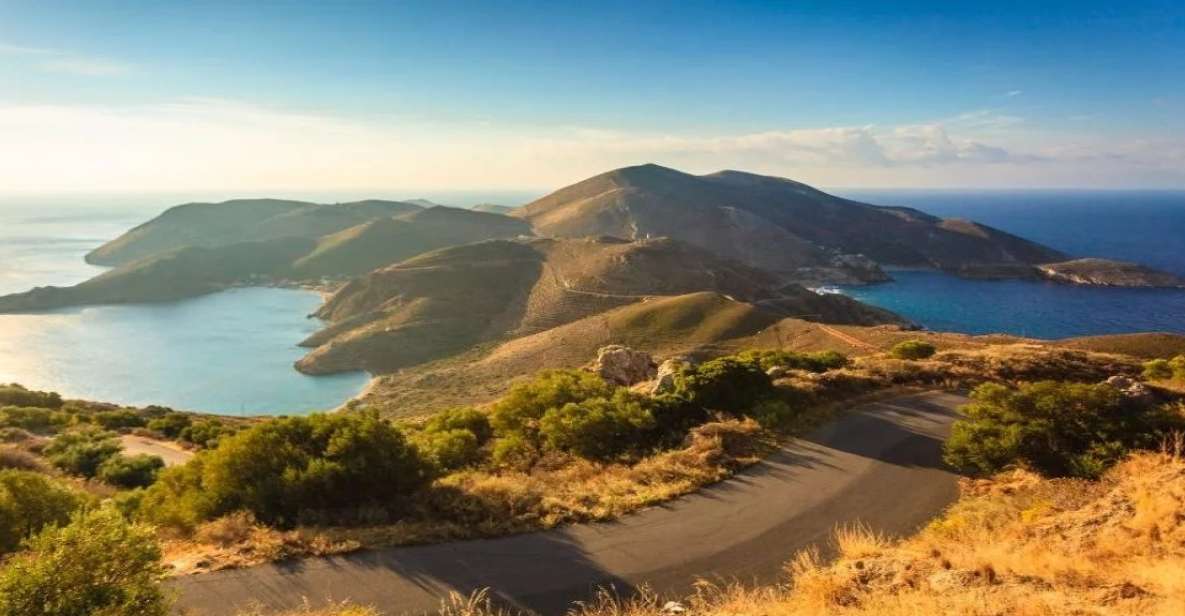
769,222
385,241
439,303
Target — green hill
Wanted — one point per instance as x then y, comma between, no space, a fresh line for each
176,274
237,221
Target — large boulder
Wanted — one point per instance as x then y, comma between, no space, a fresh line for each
623,365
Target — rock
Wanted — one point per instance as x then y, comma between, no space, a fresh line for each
777,372
664,382
673,607
1130,387
623,365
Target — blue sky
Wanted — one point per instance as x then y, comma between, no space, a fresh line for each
103,95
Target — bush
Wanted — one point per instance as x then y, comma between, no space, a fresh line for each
821,361
1165,369
205,433
725,384
33,419
598,428
912,349
137,471
98,564
82,452
15,395
283,467
514,451
520,410
119,419
170,424
469,419
1060,429
772,412
448,450
29,502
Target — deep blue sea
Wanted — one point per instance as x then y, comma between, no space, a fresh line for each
229,352
1142,226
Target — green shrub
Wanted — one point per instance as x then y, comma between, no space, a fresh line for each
33,419
598,428
519,411
772,412
97,565
820,361
448,450
176,499
15,395
282,468
674,416
464,418
81,452
514,451
30,501
1060,429
912,349
119,419
170,424
138,471
205,433
1158,370
724,384
1178,365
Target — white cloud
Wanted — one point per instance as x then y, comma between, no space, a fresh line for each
1012,93
57,61
210,144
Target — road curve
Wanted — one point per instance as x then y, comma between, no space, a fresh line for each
878,464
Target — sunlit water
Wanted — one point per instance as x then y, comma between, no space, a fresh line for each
230,352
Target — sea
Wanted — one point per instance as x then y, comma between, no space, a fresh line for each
1143,226
232,352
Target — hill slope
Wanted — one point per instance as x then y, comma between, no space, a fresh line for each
773,223
176,274
446,301
384,241
237,221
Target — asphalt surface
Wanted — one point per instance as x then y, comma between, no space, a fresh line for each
878,464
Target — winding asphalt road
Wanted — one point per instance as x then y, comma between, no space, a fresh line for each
878,464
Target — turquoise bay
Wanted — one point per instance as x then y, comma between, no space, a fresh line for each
228,352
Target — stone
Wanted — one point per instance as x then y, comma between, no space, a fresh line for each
624,366
664,382
1130,387
673,607
777,372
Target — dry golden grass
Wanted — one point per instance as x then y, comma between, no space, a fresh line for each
1016,544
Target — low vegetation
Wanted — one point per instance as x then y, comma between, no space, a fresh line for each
1057,428
1165,369
96,564
913,349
